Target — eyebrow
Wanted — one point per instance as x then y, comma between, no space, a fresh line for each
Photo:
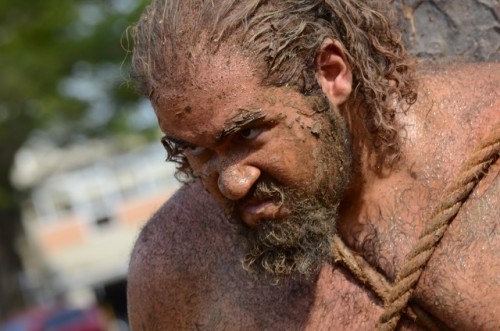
177,142
232,125
239,121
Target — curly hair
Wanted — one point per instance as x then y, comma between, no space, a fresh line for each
284,36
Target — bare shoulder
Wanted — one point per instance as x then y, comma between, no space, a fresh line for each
477,76
185,274
460,107
470,81
468,92
169,236
184,218
174,251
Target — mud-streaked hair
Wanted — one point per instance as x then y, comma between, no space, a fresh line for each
283,37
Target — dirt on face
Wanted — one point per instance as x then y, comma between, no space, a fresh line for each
303,163
300,243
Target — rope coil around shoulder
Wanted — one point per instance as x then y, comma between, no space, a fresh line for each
370,277
471,173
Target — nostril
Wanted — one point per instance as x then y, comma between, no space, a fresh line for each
235,182
228,184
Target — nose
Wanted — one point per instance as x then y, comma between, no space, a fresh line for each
236,180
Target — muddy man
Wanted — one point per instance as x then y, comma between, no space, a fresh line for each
299,126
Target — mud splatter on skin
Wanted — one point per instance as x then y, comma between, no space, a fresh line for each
299,243
271,100
243,118
324,158
316,128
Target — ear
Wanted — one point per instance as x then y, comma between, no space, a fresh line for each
333,72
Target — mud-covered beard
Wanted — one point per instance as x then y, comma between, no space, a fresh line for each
297,244
300,243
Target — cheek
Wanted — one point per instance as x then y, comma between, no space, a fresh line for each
205,169
291,161
197,166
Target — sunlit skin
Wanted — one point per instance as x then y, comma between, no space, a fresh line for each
277,142
186,267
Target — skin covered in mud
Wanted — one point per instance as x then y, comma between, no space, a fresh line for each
245,244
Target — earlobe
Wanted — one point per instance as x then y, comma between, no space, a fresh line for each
333,72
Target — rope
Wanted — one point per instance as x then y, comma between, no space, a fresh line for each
443,214
396,297
370,277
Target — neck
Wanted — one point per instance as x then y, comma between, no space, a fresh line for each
370,205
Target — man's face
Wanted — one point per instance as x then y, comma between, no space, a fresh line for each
278,165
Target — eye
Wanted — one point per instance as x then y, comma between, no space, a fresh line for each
175,146
194,150
249,133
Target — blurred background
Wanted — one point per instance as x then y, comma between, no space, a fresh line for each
81,169
80,166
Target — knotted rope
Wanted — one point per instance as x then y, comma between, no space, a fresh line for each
443,214
396,298
370,277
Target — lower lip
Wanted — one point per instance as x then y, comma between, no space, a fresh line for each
253,214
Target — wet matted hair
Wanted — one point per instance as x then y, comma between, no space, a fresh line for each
284,36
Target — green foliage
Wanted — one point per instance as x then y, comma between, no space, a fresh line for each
53,53
47,41
45,47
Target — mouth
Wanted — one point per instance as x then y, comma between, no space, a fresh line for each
254,212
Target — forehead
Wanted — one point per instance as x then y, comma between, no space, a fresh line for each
215,89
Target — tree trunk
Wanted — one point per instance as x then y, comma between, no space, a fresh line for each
11,295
